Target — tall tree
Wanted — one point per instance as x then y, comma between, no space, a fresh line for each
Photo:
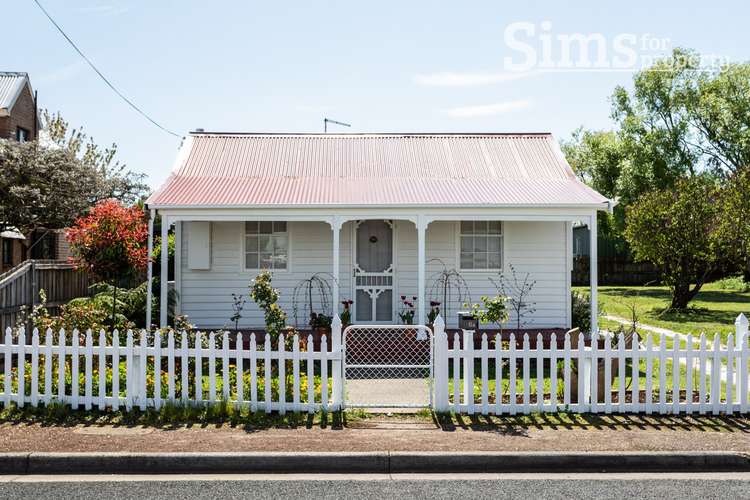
719,109
598,159
736,221
115,179
680,231
42,187
52,182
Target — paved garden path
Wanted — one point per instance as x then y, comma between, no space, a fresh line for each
673,335
655,329
388,392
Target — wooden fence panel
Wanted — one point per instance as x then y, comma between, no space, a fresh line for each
20,288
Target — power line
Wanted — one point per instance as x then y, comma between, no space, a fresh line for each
104,78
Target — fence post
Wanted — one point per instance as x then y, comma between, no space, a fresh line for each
33,294
440,364
336,364
469,370
587,371
741,328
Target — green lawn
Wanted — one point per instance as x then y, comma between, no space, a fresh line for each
712,311
615,384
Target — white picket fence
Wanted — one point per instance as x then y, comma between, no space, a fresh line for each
152,371
704,377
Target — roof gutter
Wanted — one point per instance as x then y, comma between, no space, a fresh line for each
609,205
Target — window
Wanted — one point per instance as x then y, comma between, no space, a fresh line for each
481,245
22,135
7,252
266,245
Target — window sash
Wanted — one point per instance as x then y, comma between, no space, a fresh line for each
266,245
22,135
480,245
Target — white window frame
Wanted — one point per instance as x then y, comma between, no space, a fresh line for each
243,253
486,269
22,135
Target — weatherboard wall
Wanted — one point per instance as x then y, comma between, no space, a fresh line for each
539,248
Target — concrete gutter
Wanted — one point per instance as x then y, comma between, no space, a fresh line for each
370,463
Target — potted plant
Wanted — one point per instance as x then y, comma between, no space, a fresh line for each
434,311
406,314
320,324
346,314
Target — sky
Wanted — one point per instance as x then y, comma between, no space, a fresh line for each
383,66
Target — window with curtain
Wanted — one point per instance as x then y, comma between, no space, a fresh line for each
481,245
266,245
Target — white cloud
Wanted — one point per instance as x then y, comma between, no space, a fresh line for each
467,79
487,109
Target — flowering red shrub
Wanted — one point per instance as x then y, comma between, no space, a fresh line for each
111,241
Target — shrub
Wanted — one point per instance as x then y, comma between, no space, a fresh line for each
580,304
734,283
111,243
266,297
492,310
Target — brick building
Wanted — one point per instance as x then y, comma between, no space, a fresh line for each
19,121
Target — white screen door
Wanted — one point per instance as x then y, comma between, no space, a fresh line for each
373,272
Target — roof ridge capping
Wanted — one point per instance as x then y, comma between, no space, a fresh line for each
370,134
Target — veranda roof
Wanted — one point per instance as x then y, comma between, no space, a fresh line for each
222,170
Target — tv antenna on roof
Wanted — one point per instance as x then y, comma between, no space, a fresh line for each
326,121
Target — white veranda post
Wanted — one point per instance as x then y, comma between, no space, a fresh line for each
164,278
593,260
150,271
336,227
421,233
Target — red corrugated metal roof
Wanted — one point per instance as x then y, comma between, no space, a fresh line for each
216,169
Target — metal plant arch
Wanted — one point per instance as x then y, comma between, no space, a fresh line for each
448,286
313,295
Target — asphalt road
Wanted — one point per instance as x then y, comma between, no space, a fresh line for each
478,486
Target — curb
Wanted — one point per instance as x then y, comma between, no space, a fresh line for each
370,463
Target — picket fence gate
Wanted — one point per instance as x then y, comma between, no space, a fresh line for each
293,376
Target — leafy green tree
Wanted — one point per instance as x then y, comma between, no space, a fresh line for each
679,121
598,159
718,107
680,231
736,221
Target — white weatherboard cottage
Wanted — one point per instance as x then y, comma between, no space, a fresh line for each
374,211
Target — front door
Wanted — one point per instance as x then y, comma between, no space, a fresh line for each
373,272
